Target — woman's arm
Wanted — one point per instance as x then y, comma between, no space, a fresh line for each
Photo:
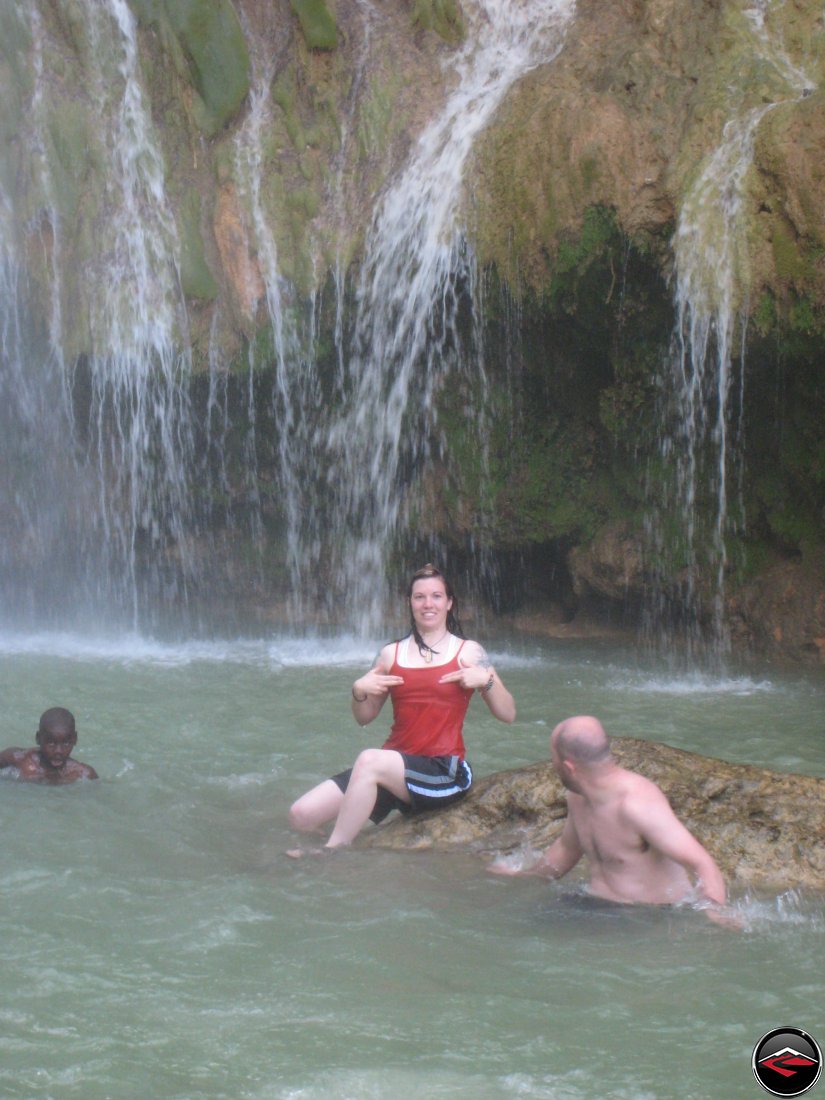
477,672
369,692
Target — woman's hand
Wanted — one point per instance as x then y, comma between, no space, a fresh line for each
478,674
369,693
374,682
471,677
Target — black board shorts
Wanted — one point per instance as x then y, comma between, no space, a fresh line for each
432,782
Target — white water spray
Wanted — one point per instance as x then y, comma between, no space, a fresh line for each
140,369
35,412
416,272
704,379
113,497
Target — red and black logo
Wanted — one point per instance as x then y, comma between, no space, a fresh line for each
787,1061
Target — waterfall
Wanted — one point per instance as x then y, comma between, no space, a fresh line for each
109,455
35,416
703,378
350,445
107,499
296,413
292,369
139,369
418,274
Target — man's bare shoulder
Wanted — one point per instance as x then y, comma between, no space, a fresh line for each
12,757
26,761
634,783
30,768
76,769
641,798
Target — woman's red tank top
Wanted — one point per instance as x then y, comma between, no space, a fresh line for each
428,717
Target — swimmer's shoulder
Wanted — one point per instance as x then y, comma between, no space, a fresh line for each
22,763
11,757
84,771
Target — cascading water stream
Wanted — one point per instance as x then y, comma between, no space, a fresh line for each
117,421
291,374
109,497
30,487
703,378
140,375
416,274
31,490
296,415
368,15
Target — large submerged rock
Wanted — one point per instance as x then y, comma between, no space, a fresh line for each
765,829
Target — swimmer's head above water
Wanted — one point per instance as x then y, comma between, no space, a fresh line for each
51,761
579,744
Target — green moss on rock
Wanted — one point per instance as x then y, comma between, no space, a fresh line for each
197,280
68,132
378,120
285,94
794,263
213,43
764,315
582,255
318,24
441,16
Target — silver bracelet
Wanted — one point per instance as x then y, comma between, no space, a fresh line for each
488,685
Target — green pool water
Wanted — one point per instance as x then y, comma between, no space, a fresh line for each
158,945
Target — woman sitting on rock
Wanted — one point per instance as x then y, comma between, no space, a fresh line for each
430,675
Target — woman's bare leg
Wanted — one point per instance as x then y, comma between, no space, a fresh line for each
374,767
316,807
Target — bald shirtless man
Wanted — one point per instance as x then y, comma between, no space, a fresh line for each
51,761
637,848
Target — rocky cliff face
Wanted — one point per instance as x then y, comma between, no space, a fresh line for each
639,98
572,196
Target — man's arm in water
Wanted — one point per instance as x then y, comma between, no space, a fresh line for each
653,817
10,758
562,856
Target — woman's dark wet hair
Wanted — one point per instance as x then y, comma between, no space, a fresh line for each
453,623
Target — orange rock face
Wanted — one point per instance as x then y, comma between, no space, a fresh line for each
239,264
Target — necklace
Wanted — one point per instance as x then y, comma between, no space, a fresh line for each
428,656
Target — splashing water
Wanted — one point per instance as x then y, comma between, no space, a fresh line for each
702,384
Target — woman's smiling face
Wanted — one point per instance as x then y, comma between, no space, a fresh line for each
430,603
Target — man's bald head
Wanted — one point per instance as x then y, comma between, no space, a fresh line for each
56,718
582,740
